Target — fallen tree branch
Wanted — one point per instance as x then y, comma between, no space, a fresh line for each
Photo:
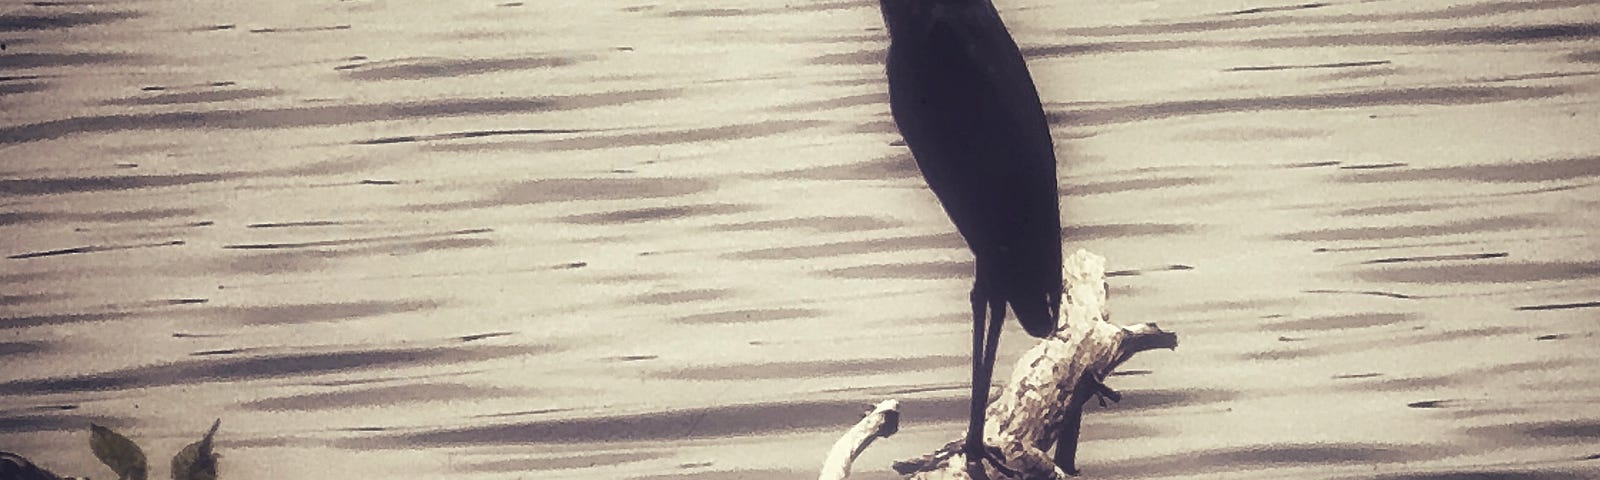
882,421
1042,405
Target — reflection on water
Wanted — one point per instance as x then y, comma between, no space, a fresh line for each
616,240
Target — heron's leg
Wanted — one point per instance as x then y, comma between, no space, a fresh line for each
991,345
973,447
997,319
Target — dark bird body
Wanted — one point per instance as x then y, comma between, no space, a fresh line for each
963,100
966,106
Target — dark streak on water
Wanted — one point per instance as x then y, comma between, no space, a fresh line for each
820,224
317,312
1372,166
1232,459
343,398
55,186
1122,230
356,241
52,423
897,166
578,189
286,258
328,28
1560,306
1342,322
1357,376
1503,273
31,60
748,316
465,135
1439,258
1269,68
1141,271
817,6
650,214
1485,475
483,336
13,88
306,223
286,365
425,68
814,368
518,465
1377,293
1386,210
145,215
9,300
1120,186
737,474
1480,225
682,296
292,117
1418,96
223,351
854,247
182,98
1587,56
724,133
1512,172
92,249
10,349
63,20
906,271
1432,404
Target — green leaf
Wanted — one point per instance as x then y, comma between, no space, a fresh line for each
197,461
116,451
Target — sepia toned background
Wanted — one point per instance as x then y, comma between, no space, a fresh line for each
626,239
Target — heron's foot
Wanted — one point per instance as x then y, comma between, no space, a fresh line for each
976,457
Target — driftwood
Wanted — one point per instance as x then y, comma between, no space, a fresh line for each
1042,405
882,421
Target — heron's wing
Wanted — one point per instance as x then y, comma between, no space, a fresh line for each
969,111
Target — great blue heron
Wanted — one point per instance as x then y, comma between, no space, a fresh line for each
967,107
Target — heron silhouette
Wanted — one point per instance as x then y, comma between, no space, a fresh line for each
963,100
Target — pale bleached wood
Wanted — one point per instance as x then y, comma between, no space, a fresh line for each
882,421
1042,403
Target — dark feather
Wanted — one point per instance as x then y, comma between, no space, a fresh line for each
968,109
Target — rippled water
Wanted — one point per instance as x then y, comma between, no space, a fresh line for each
609,239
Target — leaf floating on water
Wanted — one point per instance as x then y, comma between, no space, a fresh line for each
118,452
197,461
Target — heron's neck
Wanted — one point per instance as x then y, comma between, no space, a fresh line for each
907,16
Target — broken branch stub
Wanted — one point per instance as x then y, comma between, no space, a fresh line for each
1042,404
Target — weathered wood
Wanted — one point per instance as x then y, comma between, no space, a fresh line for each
882,421
1042,405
